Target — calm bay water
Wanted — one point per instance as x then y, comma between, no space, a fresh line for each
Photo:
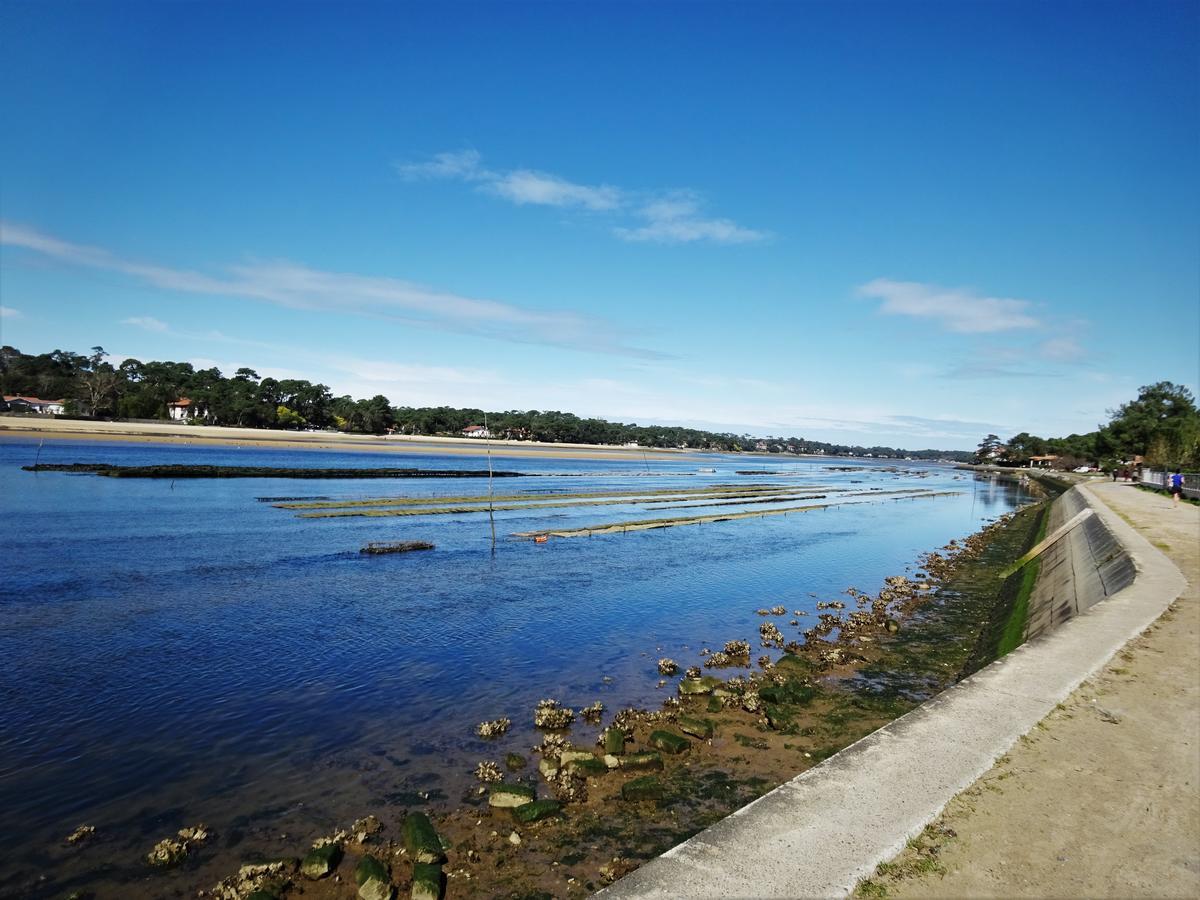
180,652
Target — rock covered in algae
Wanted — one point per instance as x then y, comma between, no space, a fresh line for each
536,811
669,742
614,741
649,760
426,881
321,862
701,728
514,761
421,840
588,768
507,796
374,882
694,686
647,787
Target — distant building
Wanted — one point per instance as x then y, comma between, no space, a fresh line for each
34,405
182,409
1042,462
477,431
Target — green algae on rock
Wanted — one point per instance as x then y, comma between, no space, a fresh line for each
420,839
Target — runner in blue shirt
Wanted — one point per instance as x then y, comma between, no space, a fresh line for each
1176,487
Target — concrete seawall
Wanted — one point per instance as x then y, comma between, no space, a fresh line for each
820,833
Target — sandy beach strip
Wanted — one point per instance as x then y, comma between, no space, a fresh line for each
178,434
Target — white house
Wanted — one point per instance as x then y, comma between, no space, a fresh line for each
34,405
181,409
476,431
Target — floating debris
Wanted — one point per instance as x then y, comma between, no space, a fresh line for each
494,728
396,546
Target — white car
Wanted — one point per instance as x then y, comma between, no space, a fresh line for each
1083,469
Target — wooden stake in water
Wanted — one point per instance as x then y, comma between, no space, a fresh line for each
38,455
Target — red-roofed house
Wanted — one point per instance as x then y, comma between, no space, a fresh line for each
477,431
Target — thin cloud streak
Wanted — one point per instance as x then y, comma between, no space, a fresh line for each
955,309
7,312
671,219
297,286
677,220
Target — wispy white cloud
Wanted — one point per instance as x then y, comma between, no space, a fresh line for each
298,286
526,186
954,309
147,323
678,220
464,164
669,218
7,312
1061,349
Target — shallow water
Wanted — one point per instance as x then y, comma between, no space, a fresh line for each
180,652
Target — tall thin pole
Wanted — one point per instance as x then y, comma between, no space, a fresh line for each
491,515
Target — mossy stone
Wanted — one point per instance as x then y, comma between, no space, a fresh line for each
507,796
642,761
715,705
792,663
669,742
374,889
701,728
792,692
588,768
426,881
370,869
614,741
514,761
321,861
647,787
536,811
420,839
702,685
781,718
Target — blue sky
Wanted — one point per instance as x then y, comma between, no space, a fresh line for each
897,223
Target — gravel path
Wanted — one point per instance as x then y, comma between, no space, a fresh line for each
1102,798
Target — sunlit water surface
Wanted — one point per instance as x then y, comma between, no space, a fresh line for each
181,652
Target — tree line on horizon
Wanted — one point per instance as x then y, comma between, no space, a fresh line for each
1161,426
93,387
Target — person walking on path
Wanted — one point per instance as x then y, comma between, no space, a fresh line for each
1176,487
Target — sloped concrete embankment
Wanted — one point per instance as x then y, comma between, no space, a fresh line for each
820,833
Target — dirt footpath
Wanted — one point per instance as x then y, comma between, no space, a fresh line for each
1102,798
